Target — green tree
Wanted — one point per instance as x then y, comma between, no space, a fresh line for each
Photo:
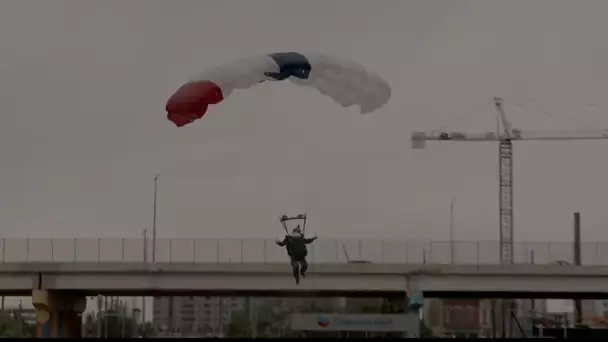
239,326
11,325
425,331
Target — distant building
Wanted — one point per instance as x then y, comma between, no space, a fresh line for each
471,317
194,316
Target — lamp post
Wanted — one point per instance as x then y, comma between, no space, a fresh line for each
143,298
452,229
154,219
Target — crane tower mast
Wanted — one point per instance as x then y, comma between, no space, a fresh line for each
505,159
505,192
505,188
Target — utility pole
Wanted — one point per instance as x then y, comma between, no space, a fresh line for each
452,229
533,300
143,298
578,307
154,218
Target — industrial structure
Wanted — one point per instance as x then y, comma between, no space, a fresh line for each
505,156
505,140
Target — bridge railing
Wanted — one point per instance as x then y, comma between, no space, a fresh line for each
260,251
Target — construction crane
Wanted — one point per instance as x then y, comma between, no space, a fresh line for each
505,156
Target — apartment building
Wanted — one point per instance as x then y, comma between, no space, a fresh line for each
194,316
472,316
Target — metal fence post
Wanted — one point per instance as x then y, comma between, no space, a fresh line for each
193,251
27,249
241,256
217,251
428,253
170,250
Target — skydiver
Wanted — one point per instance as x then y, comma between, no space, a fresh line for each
295,244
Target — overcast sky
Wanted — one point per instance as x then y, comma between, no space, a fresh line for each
84,85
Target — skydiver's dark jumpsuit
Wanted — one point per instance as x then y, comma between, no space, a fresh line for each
297,251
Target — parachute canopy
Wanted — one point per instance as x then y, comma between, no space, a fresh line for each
345,82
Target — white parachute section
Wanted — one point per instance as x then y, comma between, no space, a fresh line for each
239,74
346,82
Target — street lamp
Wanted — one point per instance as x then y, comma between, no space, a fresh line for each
143,298
452,229
154,219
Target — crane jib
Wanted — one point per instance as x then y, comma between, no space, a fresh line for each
516,135
505,198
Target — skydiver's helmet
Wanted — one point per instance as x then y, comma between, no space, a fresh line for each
297,231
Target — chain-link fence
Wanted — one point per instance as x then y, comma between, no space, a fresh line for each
261,251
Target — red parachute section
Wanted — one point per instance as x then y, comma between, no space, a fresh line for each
191,100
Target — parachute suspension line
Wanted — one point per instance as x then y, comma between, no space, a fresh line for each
571,120
301,217
460,117
283,220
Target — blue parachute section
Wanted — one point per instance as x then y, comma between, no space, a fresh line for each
346,82
290,64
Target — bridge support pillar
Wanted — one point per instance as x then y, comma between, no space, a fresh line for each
58,313
415,303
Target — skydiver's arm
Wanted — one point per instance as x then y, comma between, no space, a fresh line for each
282,243
308,241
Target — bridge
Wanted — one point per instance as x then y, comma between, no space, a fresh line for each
275,279
58,273
59,289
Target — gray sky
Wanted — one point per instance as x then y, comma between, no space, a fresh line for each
84,84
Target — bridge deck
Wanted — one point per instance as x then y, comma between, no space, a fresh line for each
326,268
274,279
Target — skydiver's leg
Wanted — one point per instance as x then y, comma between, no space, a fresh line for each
295,267
303,266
